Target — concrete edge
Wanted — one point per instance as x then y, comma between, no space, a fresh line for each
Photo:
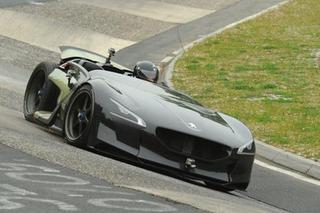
289,160
275,155
317,59
178,53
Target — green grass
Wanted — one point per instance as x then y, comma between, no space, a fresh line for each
263,72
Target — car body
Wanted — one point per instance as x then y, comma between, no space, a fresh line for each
138,120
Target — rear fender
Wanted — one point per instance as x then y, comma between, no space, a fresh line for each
58,77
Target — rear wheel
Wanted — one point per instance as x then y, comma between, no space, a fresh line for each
79,117
38,94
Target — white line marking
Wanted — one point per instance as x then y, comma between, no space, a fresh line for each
69,191
102,187
36,3
26,176
46,33
132,205
74,195
8,204
24,167
286,172
5,204
12,190
151,9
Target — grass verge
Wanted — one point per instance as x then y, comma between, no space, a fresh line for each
263,72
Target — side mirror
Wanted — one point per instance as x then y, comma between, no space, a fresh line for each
69,75
111,52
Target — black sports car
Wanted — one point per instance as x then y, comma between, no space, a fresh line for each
94,102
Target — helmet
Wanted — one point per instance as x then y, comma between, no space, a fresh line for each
146,70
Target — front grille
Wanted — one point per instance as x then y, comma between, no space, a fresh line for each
192,146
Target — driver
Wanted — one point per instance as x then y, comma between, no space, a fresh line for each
146,70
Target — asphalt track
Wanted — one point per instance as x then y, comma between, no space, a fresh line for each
33,185
268,188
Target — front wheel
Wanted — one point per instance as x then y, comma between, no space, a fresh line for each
79,116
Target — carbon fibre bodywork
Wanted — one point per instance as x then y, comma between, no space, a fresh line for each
155,125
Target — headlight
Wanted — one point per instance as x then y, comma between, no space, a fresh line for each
127,115
247,149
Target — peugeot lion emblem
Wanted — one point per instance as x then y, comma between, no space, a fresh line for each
192,125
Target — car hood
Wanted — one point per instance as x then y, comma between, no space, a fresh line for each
162,107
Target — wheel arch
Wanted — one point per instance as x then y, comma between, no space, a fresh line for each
100,93
102,106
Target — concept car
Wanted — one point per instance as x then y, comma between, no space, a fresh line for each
94,102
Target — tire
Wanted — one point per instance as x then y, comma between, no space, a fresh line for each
79,115
39,93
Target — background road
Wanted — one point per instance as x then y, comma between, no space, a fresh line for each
141,30
32,185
